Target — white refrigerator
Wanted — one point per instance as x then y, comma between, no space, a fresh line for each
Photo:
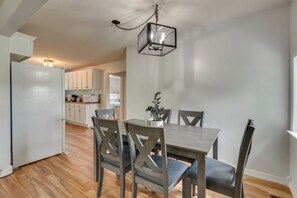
37,112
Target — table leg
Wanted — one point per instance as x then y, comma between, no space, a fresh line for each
95,158
215,149
201,176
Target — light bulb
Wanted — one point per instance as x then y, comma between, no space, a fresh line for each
162,39
152,36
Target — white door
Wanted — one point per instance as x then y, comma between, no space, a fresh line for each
37,112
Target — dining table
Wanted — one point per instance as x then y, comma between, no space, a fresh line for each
189,141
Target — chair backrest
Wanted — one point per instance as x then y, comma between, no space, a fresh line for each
245,148
105,114
166,115
109,139
196,115
144,139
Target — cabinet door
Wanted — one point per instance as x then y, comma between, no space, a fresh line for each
84,81
89,82
67,112
79,79
69,76
74,80
66,82
82,116
76,114
87,79
72,114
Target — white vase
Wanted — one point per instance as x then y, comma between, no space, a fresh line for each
157,123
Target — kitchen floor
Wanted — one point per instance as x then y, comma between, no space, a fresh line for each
71,175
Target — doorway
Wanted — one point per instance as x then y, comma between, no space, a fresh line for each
117,94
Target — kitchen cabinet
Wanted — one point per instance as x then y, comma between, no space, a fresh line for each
74,80
80,113
69,81
69,112
88,79
21,47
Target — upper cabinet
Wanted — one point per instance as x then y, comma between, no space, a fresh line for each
83,80
21,47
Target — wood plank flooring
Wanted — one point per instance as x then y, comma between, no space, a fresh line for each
71,175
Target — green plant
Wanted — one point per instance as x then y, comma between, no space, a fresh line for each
156,110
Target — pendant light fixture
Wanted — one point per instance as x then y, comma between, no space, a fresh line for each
154,39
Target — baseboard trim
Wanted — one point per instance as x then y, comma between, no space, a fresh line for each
266,176
6,172
293,190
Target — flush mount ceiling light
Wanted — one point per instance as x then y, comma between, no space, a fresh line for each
154,39
48,62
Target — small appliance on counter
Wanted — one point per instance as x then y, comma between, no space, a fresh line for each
69,98
90,98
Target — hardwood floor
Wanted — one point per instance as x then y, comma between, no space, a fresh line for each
71,175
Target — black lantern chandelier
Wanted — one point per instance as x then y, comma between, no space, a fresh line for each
154,39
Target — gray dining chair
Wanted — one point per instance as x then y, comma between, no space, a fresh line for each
103,114
158,173
221,177
166,115
196,115
114,158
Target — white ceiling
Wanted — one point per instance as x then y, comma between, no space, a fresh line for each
78,33
1,1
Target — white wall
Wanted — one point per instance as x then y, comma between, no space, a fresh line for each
4,106
293,141
233,72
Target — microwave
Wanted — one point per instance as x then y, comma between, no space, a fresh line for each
90,98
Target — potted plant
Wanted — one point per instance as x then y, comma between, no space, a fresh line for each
156,111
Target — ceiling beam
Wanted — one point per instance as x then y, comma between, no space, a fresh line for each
15,13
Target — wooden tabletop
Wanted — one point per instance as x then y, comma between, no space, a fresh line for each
187,138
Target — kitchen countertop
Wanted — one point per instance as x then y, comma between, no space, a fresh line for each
83,102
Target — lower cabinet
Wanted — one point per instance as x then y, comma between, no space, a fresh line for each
80,114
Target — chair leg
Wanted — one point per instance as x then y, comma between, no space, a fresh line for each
122,179
193,189
134,189
242,192
100,181
186,187
96,160
165,194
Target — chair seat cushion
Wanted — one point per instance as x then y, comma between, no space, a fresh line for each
126,158
175,170
218,174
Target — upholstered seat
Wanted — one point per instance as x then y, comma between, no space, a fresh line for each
175,170
218,174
